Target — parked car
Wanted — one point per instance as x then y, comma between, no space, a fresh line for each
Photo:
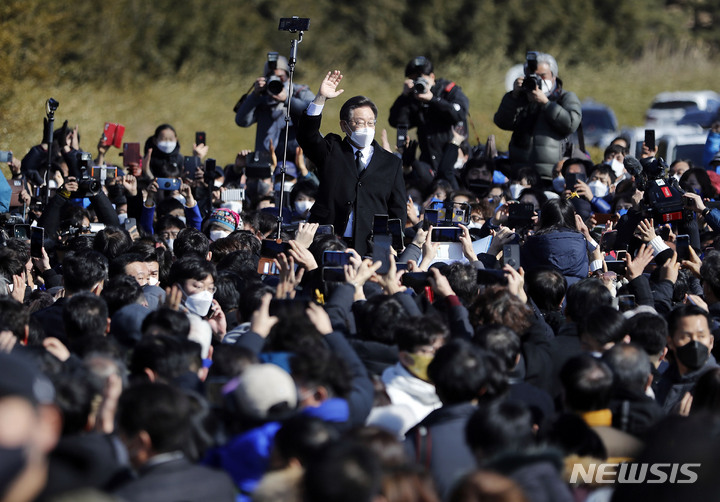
668,108
691,146
600,126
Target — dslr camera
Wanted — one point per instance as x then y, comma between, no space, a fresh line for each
420,85
273,84
532,80
87,185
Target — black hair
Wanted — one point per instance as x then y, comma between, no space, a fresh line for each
20,247
14,317
706,187
230,361
682,311
529,173
587,382
459,372
497,427
630,366
167,356
586,165
191,267
325,242
419,331
649,331
379,317
463,280
302,437
710,271
613,150
161,410
227,293
557,214
546,287
85,314
166,321
73,396
167,221
11,263
120,291
118,264
344,470
356,102
191,241
538,193
82,270
706,394
312,368
306,187
112,242
251,298
501,341
603,169
243,263
168,205
604,324
583,296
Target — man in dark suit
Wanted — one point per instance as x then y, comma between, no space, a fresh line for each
358,178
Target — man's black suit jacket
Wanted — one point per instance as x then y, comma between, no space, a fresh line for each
380,189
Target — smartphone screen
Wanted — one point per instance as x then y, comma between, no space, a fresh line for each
682,246
402,132
380,224
650,139
381,252
395,229
333,274
336,258
37,238
446,234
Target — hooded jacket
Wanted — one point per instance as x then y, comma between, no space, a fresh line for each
563,250
405,388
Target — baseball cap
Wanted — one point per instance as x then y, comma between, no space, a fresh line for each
262,391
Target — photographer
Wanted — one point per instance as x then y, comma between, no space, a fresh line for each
266,105
541,115
433,105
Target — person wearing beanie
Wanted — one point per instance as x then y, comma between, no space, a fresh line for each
222,222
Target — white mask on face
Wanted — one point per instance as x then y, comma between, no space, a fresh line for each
515,190
474,224
217,183
363,137
598,188
170,243
199,303
122,218
152,281
548,86
617,167
303,206
218,234
288,187
167,146
558,184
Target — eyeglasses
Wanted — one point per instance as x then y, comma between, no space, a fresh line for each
362,123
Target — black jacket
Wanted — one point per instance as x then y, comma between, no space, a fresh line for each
438,443
433,119
379,189
634,412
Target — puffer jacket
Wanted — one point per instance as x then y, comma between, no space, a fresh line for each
540,143
563,250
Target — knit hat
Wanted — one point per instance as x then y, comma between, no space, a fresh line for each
262,391
225,218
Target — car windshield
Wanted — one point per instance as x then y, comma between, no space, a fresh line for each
671,105
597,119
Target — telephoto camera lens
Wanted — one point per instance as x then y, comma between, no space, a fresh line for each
274,85
420,86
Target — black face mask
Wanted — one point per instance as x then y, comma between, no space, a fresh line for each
693,355
12,462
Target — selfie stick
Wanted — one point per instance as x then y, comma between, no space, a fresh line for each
50,106
291,64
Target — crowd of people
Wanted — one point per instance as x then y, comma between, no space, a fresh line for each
169,330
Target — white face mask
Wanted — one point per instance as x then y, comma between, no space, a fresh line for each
218,234
170,243
558,184
152,281
122,218
199,303
217,183
515,190
303,206
474,224
167,146
598,188
363,137
288,187
617,167
548,86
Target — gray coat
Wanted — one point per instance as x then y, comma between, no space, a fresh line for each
539,131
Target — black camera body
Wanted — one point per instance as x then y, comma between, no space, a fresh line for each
421,85
87,185
532,80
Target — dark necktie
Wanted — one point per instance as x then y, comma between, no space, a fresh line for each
358,162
